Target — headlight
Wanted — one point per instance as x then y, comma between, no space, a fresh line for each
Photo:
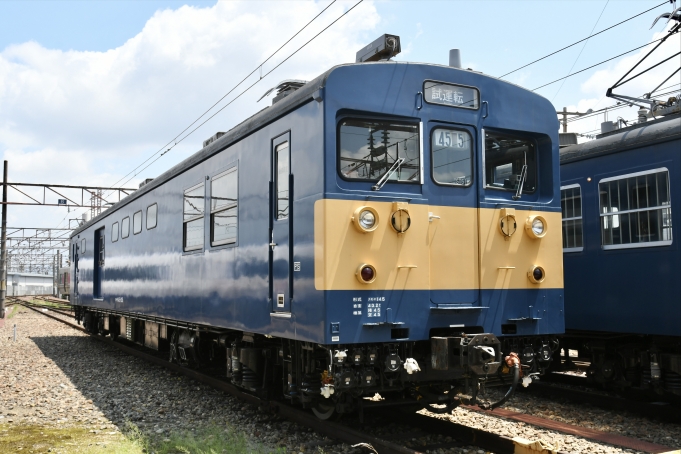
536,226
366,273
536,275
365,219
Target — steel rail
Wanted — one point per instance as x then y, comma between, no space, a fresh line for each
467,435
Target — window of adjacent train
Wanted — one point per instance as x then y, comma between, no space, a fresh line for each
368,149
137,222
152,211
82,246
282,167
509,162
193,217
114,232
125,227
452,152
223,208
636,210
571,207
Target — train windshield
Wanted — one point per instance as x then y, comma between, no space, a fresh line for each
505,160
369,148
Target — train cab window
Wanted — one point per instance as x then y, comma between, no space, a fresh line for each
125,227
368,149
510,161
452,152
571,206
114,232
152,211
194,202
636,210
137,222
223,208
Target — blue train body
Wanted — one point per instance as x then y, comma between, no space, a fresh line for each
621,195
257,235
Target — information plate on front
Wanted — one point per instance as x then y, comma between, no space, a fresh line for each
451,95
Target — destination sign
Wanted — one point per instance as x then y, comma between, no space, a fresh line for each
451,95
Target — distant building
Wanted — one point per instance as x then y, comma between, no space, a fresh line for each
22,284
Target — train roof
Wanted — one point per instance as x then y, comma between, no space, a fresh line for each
303,95
635,136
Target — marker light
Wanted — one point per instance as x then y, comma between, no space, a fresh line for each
536,275
536,226
365,219
365,273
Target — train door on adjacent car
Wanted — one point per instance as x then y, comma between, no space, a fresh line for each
281,189
98,258
75,272
453,222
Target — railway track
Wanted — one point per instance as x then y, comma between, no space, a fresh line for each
353,433
578,390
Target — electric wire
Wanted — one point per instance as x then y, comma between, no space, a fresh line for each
228,93
598,64
584,39
176,142
244,91
580,52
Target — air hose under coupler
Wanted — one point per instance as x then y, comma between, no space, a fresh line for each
513,363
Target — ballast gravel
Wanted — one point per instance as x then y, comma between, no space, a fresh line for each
54,375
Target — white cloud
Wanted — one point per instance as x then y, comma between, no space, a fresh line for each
75,117
595,87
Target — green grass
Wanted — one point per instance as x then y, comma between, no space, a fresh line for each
213,439
15,310
46,303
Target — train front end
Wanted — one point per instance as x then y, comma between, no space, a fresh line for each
437,243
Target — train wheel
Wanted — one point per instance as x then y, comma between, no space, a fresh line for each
324,410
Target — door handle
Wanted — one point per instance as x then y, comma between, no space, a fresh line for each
272,243
432,216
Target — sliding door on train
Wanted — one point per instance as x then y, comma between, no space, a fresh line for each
281,183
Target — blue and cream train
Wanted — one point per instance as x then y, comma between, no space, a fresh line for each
386,227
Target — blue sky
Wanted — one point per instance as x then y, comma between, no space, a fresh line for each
100,86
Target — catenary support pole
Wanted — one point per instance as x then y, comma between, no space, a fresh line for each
3,245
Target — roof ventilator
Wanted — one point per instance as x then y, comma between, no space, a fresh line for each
212,138
284,89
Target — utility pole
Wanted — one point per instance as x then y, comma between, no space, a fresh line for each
565,114
3,246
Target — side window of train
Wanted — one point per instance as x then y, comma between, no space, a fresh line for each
194,199
282,167
82,246
636,210
452,156
571,206
125,227
368,149
114,232
137,222
152,211
505,158
223,208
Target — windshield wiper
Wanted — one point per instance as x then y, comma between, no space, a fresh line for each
394,168
523,175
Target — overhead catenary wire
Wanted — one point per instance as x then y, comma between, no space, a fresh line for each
175,142
583,39
248,88
259,67
600,63
580,52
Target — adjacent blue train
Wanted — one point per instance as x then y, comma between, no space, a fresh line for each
387,227
620,202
